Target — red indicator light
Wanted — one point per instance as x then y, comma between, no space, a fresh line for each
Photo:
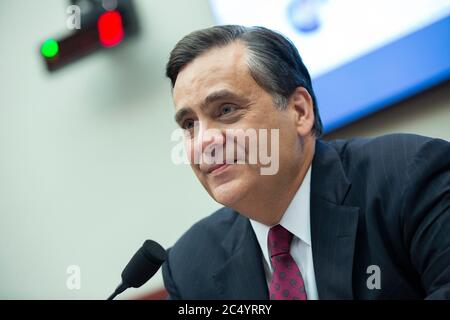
110,29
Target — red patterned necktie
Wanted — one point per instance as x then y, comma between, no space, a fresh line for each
287,282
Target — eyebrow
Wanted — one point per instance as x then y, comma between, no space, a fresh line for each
181,113
223,94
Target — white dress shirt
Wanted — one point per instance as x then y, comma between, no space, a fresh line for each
296,219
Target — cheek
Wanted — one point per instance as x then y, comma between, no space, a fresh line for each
193,156
190,154
189,145
236,147
290,149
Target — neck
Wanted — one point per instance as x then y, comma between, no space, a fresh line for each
269,205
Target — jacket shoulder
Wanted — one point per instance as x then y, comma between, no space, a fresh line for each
403,144
188,269
211,229
388,155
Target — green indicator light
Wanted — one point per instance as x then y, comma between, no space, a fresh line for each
50,48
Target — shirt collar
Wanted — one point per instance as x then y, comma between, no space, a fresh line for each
296,218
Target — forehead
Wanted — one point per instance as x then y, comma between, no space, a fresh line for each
217,69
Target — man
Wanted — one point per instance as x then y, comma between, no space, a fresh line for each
354,219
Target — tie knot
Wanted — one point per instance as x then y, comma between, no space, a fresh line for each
279,240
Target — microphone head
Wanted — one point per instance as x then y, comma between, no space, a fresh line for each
144,264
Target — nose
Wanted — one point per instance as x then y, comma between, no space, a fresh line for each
209,138
209,142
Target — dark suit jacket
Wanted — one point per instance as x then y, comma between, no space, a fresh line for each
382,201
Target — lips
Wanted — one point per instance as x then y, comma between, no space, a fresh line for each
217,167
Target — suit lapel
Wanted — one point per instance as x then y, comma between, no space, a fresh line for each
333,225
242,276
333,234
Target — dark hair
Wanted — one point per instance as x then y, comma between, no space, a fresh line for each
273,60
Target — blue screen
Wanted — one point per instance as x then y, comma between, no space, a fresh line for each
363,55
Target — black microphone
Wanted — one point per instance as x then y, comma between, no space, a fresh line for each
142,266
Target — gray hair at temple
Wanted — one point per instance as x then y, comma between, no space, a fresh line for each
273,61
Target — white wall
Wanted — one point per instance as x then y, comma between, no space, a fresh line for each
85,170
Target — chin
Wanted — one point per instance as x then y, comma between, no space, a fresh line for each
228,193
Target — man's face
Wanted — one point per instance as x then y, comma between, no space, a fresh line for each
216,93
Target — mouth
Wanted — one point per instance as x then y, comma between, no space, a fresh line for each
217,169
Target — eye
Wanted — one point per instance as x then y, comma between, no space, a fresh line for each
227,108
188,124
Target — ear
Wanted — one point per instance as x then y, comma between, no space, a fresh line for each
302,105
